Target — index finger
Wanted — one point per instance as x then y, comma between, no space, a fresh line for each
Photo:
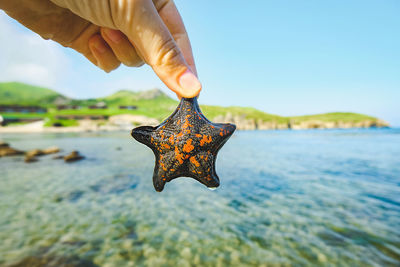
140,22
173,20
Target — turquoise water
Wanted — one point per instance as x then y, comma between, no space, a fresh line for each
287,198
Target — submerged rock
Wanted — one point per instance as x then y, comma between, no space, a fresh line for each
9,151
58,157
41,152
53,261
73,156
6,150
51,150
3,144
34,153
30,159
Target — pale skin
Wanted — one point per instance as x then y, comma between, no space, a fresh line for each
114,32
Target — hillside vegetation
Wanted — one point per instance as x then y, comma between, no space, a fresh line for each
14,93
155,104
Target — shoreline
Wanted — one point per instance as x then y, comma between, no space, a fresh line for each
128,122
72,129
78,129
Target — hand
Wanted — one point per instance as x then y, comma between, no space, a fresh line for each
111,32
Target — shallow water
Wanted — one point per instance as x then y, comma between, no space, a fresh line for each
287,198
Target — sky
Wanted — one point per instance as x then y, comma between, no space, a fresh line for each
282,57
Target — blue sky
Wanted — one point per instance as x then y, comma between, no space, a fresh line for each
282,57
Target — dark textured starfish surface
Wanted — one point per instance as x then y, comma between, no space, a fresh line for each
185,144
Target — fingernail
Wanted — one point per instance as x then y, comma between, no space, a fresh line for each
189,82
100,46
114,35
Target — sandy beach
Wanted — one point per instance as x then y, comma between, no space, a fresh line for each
38,127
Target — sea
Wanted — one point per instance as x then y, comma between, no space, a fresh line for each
287,198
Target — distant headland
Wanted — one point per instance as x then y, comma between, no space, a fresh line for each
27,108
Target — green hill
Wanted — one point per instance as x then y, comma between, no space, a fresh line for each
13,93
335,116
156,104
152,103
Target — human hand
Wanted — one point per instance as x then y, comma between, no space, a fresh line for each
111,32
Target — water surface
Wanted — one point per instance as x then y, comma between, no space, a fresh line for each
287,198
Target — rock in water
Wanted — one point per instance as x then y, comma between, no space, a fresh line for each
30,159
9,151
3,144
34,153
73,156
185,144
51,150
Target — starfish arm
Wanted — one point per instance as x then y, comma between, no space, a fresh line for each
165,170
229,128
216,136
158,181
224,130
202,168
143,135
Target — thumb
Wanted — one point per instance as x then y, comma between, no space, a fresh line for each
156,46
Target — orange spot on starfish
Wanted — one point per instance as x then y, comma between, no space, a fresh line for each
163,166
206,139
188,146
186,124
171,139
179,156
194,161
165,146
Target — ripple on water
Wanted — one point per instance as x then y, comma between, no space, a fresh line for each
322,198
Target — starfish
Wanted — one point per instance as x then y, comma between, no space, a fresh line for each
185,144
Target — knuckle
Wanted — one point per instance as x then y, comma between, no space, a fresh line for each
160,4
133,63
168,54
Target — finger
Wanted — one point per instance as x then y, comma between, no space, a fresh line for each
173,20
122,48
91,58
46,19
81,42
157,47
103,54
